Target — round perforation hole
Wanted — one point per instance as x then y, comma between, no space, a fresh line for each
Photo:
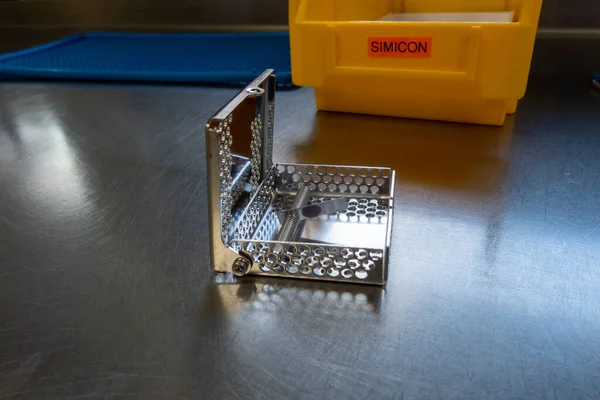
381,213
331,170
369,181
339,262
327,179
297,260
361,274
342,171
380,181
290,249
292,269
263,248
312,186
264,268
353,264
311,169
306,178
296,178
353,188
346,253
271,259
332,252
370,215
305,270
312,261
291,169
376,254
319,251
374,189
338,179
257,257
326,262
358,180
319,271
249,247
284,259
333,272
278,268
362,254
374,173
385,173
321,170
304,251
316,178
332,187
343,188
368,265
364,172
301,169
347,273
353,171
280,169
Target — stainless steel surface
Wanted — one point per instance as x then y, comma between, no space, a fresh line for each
106,289
237,132
246,222
345,247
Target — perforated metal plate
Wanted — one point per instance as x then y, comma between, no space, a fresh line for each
247,192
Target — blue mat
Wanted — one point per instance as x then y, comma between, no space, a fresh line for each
185,58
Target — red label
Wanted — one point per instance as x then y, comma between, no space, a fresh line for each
400,47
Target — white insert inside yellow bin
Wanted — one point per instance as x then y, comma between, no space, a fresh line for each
450,17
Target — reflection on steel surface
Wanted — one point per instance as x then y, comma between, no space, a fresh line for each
269,295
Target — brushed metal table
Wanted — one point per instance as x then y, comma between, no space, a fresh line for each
106,290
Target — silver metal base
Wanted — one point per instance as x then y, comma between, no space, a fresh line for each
249,196
349,246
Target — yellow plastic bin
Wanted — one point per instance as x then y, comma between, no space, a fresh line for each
360,60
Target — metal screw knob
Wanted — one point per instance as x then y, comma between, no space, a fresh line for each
241,266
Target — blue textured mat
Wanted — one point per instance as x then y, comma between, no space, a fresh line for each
191,58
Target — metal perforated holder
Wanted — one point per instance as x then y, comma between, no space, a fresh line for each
321,222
